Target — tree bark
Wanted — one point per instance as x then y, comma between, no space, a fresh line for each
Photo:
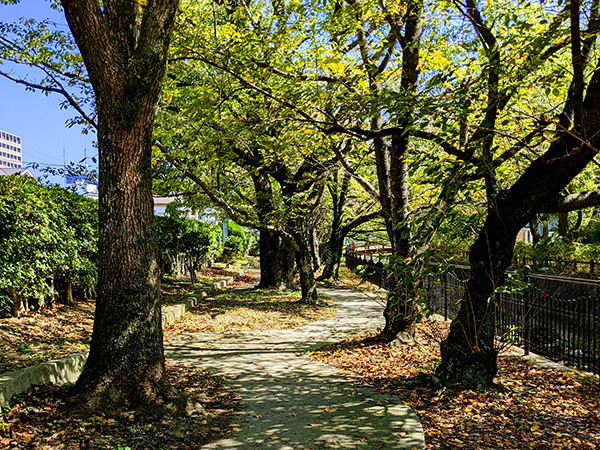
401,308
534,228
276,255
563,224
277,262
469,354
69,293
332,256
308,283
125,54
314,249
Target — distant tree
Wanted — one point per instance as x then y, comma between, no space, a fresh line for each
344,219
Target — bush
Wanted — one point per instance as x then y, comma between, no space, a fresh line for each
248,240
185,245
234,248
594,235
46,234
557,254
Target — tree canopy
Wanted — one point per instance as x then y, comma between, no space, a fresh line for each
462,122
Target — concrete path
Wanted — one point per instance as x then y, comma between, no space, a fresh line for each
290,402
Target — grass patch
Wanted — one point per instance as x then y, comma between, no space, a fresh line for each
250,309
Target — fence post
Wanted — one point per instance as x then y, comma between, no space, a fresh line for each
526,329
446,297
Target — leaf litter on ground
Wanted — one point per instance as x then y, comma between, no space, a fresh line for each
37,419
63,330
242,309
531,407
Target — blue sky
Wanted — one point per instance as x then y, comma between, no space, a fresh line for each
37,118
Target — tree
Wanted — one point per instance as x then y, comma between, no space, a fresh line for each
223,126
124,47
341,224
469,354
345,83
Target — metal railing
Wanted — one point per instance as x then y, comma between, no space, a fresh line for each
557,317
587,268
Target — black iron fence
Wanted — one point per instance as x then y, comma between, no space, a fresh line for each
556,317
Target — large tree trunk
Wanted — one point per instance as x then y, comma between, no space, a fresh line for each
126,361
308,283
400,311
332,256
276,255
393,188
277,262
469,354
124,51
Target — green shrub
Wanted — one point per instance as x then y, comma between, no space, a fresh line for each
233,248
185,245
46,233
594,235
248,240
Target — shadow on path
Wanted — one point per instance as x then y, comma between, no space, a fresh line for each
290,402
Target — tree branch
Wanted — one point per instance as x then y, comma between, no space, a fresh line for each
234,214
359,221
448,148
368,187
59,90
572,202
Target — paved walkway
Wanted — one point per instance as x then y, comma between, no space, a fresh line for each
290,402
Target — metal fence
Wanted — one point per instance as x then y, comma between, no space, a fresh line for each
557,317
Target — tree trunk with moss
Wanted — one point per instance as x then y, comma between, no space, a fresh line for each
277,262
304,261
401,311
124,49
276,255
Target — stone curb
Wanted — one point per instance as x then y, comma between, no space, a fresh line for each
67,369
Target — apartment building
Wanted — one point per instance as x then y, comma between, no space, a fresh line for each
10,150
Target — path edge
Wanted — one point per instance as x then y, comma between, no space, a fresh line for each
68,369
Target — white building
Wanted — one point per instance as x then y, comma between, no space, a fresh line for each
206,215
10,150
5,171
